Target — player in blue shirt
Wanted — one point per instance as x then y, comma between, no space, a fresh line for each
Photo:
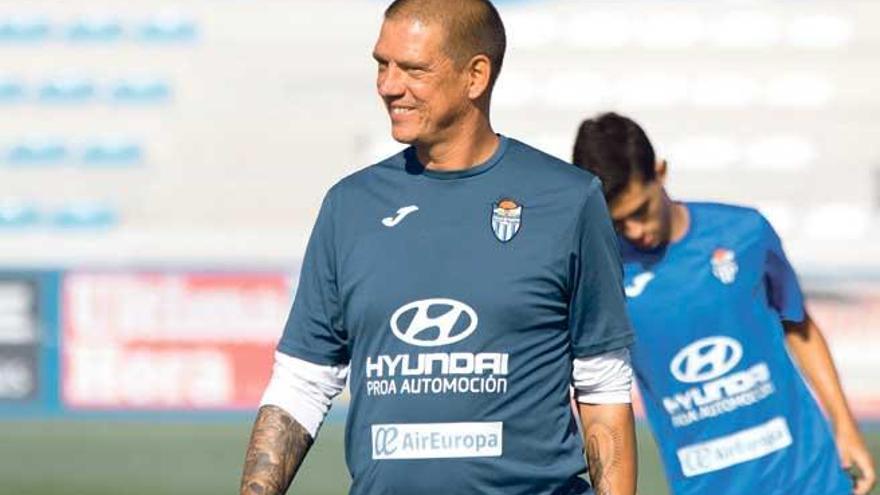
717,309
462,286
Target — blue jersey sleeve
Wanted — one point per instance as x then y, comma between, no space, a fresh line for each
597,314
783,289
314,330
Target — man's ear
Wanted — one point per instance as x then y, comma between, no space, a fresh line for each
660,169
479,71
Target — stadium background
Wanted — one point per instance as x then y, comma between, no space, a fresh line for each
161,165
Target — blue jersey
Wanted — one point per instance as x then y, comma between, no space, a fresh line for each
730,411
459,300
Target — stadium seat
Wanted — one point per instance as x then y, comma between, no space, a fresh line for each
67,90
84,215
782,152
576,89
724,91
805,90
167,27
598,30
10,90
672,30
820,31
111,153
18,214
24,29
747,30
705,152
37,151
140,91
95,29
838,221
651,90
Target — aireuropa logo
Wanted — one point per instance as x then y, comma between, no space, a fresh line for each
437,440
706,359
434,322
384,441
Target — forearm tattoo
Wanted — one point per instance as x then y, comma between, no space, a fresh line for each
277,448
604,450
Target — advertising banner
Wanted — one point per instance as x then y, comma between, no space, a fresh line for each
170,340
20,339
849,315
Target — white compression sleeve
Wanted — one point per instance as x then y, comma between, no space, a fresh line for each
603,379
303,389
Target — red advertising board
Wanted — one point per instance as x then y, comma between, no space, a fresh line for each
849,316
159,340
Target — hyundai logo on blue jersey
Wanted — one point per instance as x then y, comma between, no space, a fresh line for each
453,320
706,359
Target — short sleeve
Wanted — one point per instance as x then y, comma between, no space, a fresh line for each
784,291
597,311
314,330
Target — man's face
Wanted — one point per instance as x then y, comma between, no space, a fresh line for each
641,214
423,90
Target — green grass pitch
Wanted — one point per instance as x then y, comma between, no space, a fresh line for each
130,458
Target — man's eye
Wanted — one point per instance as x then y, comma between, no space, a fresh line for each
641,213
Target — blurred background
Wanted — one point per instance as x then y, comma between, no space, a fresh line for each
162,163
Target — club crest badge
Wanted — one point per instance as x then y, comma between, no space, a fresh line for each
724,265
506,219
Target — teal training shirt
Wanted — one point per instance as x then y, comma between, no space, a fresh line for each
460,300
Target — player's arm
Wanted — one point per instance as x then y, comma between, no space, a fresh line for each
294,405
276,450
602,390
810,350
601,334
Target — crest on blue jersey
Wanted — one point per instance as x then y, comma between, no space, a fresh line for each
506,219
724,265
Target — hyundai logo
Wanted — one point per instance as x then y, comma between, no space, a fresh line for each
706,359
434,322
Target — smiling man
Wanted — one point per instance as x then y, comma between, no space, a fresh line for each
462,286
718,312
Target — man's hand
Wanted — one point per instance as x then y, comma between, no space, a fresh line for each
856,458
610,441
277,448
810,350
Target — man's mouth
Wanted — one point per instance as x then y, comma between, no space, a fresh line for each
647,242
402,110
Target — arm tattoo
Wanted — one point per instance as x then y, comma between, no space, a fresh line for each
604,452
277,448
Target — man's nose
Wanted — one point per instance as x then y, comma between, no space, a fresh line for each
390,82
633,230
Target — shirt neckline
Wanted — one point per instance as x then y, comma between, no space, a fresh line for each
413,165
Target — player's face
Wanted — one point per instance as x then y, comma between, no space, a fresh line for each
422,88
642,215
